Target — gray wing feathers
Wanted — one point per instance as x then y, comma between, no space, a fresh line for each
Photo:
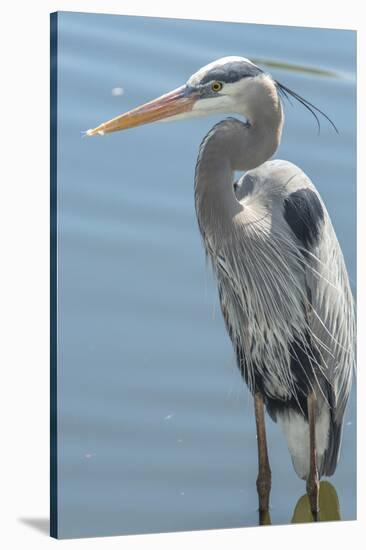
330,310
330,307
331,318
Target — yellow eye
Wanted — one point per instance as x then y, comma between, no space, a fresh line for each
216,86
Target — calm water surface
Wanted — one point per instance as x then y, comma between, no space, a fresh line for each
156,428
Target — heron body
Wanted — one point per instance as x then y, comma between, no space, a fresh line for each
282,282
284,324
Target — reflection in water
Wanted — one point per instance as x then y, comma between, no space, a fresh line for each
264,518
328,504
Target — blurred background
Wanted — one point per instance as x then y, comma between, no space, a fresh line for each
156,428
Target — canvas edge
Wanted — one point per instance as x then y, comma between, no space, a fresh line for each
53,276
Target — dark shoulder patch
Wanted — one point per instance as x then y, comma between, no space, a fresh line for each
304,214
236,186
244,187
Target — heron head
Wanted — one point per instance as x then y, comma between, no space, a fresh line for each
227,85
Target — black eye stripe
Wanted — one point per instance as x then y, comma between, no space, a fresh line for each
231,72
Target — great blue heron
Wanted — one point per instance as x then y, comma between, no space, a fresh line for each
282,282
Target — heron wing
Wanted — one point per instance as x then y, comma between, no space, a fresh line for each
330,309
300,233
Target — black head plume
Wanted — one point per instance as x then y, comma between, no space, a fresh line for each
286,93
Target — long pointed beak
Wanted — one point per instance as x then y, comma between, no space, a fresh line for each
168,105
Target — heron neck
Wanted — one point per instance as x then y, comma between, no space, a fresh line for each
232,146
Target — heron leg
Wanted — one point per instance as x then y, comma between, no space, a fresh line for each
312,484
264,470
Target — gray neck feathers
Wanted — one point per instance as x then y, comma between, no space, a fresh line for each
233,145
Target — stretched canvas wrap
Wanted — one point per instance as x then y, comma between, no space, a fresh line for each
202,315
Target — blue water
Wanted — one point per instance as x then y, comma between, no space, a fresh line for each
156,428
